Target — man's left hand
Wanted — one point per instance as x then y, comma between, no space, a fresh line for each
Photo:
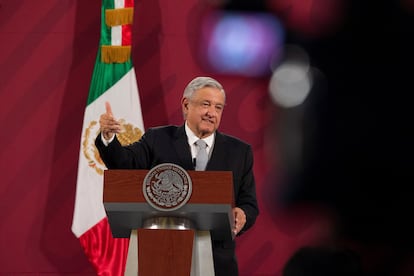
239,220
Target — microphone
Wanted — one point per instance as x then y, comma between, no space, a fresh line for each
194,162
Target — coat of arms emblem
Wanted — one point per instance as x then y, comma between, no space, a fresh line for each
167,187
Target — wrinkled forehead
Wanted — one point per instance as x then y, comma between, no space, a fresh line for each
211,94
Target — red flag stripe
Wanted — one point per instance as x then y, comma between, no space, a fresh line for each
126,35
129,3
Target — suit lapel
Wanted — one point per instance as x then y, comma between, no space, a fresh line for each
217,159
218,156
182,149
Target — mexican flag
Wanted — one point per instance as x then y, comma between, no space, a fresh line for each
113,81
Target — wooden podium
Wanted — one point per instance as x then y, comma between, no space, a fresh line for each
169,249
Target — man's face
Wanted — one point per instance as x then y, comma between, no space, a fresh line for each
203,111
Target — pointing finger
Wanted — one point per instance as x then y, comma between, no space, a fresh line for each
108,109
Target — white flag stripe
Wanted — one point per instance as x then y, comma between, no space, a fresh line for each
119,4
116,36
88,205
124,100
125,103
116,31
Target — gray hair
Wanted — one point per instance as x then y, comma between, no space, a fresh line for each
201,82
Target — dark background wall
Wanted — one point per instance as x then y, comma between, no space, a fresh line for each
351,189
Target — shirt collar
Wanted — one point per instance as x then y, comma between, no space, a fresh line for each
192,138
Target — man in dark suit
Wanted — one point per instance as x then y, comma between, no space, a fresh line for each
202,105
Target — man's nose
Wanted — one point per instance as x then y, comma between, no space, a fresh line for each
211,111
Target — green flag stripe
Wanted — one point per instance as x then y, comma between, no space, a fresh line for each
105,75
106,30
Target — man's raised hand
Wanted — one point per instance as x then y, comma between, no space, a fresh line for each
108,124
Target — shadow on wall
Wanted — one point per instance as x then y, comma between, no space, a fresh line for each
57,242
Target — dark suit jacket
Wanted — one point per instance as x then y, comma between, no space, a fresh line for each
169,144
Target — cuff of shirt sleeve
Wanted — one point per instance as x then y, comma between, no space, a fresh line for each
106,142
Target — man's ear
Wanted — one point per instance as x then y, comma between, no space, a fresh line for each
184,107
184,104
